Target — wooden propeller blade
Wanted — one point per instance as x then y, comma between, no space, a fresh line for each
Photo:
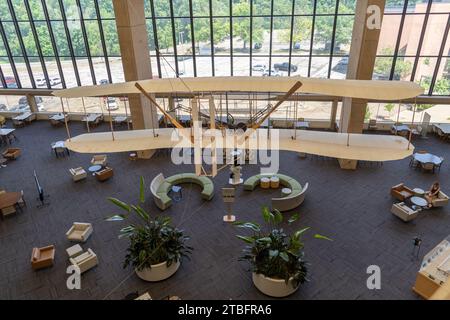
149,97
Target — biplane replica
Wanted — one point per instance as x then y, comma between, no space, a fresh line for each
330,144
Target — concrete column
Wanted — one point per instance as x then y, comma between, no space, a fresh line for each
132,33
360,67
32,103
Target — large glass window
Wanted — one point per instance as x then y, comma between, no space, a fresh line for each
254,36
57,44
414,44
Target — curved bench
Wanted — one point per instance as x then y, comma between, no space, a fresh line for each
160,187
291,201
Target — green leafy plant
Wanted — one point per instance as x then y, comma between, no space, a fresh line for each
272,252
152,241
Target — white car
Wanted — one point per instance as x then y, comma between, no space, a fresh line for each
111,104
40,82
273,73
55,81
259,67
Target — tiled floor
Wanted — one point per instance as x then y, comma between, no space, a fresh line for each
352,207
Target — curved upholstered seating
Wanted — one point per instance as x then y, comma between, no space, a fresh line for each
291,201
160,187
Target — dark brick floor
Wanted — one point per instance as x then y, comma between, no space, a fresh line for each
350,207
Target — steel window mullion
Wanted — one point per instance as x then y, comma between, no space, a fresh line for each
291,36
439,59
21,44
69,42
155,37
333,38
251,37
271,38
399,37
422,35
86,42
211,35
231,37
102,38
2,78
312,37
10,56
194,62
38,45
53,41
174,39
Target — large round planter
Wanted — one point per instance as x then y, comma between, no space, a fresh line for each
158,271
273,287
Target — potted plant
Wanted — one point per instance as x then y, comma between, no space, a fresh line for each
276,259
156,247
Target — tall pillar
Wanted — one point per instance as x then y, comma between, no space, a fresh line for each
32,103
360,67
132,33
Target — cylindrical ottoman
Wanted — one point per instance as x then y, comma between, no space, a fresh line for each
265,183
274,182
285,192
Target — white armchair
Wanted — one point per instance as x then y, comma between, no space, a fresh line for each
99,160
440,201
79,231
85,261
404,212
78,173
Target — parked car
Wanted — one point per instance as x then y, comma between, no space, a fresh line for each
55,81
341,66
24,102
104,81
3,107
285,66
40,81
11,82
273,73
259,67
25,108
23,105
111,104
296,45
257,45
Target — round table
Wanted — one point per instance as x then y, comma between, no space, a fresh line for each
285,192
418,201
95,168
265,183
274,182
427,158
418,191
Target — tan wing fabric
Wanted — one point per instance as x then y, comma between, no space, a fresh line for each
329,144
364,89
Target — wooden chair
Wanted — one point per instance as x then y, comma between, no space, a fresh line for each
42,257
104,174
100,160
11,153
401,192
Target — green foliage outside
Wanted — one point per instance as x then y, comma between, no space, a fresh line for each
75,34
